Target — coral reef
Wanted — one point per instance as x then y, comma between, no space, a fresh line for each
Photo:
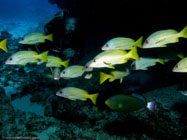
64,119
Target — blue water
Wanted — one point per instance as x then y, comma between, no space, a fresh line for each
22,16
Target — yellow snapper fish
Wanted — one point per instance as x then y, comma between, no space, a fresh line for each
72,72
24,57
163,37
114,75
112,57
122,43
36,37
74,93
181,66
3,45
53,61
146,62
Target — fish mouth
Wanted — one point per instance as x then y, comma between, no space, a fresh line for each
87,68
177,70
59,93
173,70
145,46
103,48
106,102
6,62
21,42
56,78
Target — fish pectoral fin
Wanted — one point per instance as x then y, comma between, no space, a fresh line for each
120,106
84,99
107,63
159,41
121,80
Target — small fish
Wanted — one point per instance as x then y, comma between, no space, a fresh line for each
126,103
53,61
24,57
56,74
144,63
122,43
72,72
181,66
36,37
88,76
74,93
163,37
113,76
3,45
112,57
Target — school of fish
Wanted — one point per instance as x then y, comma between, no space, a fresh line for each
116,51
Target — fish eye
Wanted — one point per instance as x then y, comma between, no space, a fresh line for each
94,60
106,45
146,42
60,92
63,72
10,59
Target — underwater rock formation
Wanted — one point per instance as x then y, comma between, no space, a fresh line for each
5,34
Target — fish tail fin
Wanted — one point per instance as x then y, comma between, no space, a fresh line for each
138,43
180,55
65,63
151,106
49,37
104,77
43,56
3,45
161,61
183,33
133,54
93,98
